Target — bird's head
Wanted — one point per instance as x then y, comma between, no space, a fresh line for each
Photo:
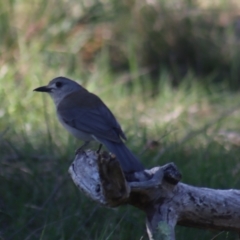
59,87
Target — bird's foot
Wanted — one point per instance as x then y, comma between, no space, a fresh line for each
99,148
81,148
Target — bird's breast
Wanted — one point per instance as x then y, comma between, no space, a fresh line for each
75,132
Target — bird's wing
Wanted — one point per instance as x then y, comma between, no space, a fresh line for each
95,119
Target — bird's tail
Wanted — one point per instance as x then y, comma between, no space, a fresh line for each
128,161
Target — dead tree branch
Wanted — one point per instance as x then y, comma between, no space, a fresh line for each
157,192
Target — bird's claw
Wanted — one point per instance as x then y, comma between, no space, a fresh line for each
99,148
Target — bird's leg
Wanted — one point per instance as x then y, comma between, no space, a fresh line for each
99,148
80,149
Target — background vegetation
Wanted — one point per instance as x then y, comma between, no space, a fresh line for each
169,70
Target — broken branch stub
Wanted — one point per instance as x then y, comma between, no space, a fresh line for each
100,177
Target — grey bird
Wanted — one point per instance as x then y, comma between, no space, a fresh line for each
87,118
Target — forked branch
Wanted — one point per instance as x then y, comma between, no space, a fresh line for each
157,192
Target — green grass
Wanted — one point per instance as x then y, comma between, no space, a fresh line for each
41,202
38,200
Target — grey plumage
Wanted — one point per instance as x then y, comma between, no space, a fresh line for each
85,116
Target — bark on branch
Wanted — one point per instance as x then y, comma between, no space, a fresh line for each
157,192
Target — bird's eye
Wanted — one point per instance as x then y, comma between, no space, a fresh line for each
58,84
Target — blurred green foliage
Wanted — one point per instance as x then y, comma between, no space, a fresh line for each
161,36
132,54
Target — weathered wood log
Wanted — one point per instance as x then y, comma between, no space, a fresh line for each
157,192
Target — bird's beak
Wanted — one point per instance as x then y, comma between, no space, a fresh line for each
43,89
